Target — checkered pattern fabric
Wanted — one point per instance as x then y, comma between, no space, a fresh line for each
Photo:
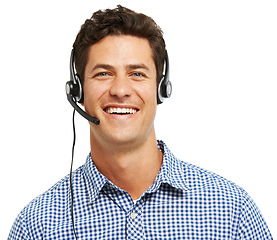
185,202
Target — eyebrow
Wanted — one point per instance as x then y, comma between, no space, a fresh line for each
136,66
104,66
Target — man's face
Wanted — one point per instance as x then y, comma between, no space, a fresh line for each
120,89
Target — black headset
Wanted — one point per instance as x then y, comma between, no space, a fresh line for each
74,89
164,89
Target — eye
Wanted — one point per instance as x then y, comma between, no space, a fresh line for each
101,74
138,75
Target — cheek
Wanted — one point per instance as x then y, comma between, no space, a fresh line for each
148,94
92,94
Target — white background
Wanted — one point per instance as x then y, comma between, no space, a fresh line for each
222,115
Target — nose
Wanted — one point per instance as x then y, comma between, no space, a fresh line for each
121,87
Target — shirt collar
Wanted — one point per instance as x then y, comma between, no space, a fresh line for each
95,180
172,172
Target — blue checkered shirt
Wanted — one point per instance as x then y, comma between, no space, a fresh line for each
185,202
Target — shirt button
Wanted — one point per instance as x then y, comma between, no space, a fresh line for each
133,215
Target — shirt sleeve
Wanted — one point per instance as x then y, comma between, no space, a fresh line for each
19,229
251,223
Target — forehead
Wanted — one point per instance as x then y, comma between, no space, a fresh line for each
115,50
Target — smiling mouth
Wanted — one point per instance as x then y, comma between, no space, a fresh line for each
120,111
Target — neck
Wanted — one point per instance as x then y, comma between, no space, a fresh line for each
132,168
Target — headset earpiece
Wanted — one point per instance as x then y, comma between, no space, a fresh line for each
74,86
79,96
164,89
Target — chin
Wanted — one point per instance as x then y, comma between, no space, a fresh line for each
125,138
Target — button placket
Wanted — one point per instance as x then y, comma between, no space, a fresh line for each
134,226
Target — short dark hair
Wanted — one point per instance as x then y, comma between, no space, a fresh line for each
118,21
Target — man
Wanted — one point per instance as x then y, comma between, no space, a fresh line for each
132,186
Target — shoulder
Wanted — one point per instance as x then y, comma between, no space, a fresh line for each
59,189
195,178
49,207
59,192
227,199
202,181
210,196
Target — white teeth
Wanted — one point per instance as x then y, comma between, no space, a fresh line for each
121,110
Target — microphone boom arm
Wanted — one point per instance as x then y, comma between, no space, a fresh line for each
94,120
